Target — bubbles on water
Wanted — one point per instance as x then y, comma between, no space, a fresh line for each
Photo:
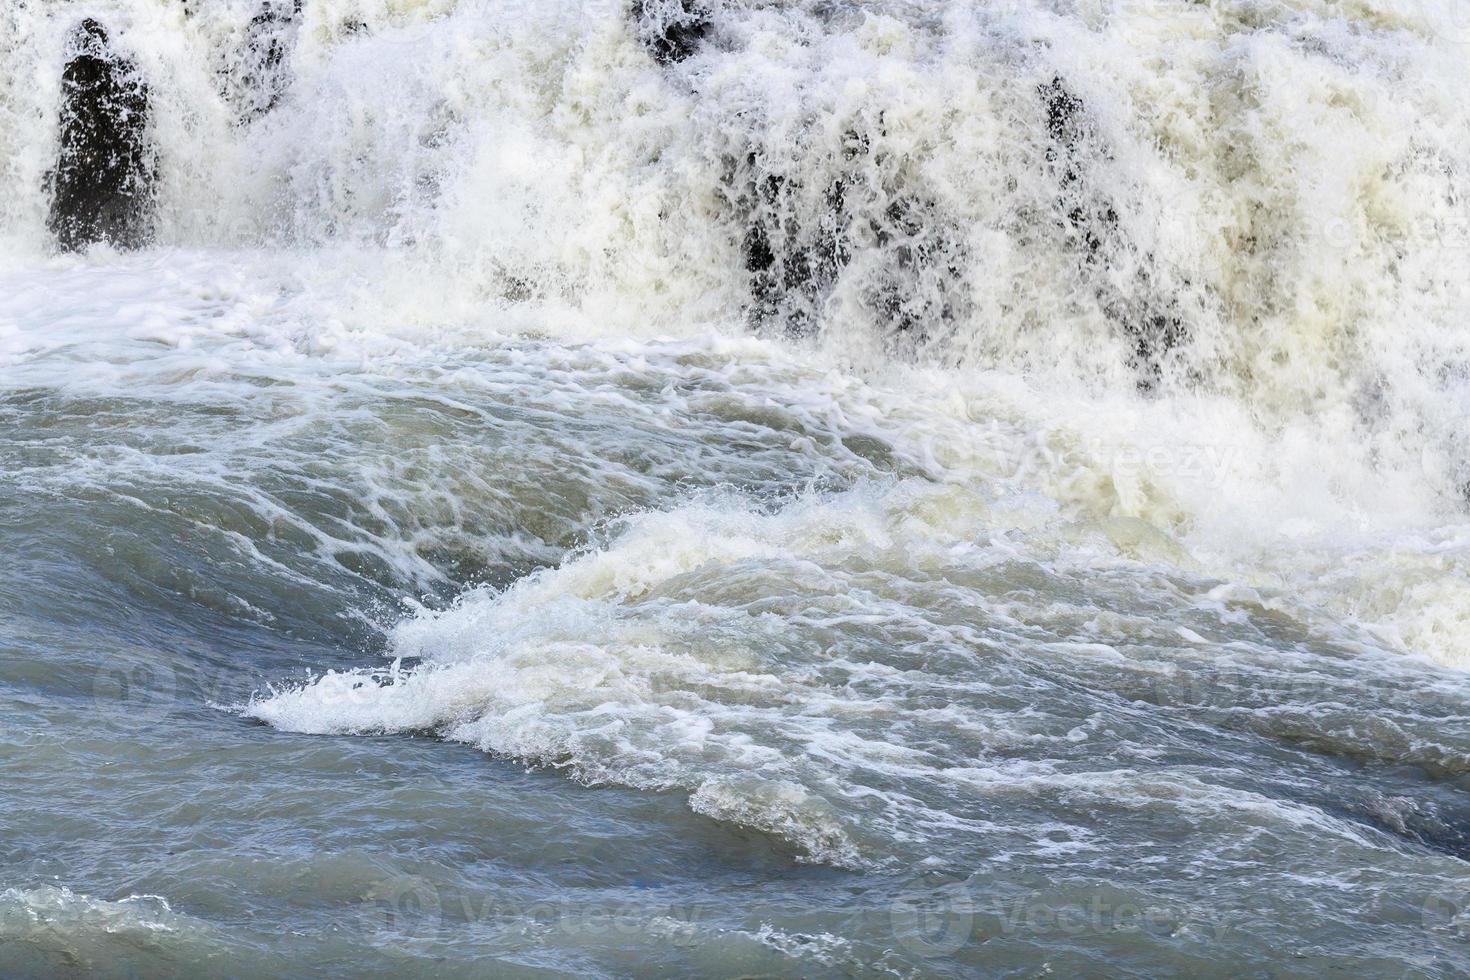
933,583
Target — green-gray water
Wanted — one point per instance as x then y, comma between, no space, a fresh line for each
442,554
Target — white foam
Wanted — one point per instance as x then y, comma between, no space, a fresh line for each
464,179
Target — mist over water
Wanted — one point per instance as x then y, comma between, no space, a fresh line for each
860,488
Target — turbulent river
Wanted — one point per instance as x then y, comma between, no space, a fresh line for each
892,487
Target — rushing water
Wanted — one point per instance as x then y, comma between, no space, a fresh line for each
914,488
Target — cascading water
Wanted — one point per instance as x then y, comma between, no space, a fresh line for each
930,463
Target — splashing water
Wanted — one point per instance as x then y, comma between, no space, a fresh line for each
1016,455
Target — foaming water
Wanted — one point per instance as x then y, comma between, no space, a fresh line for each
924,472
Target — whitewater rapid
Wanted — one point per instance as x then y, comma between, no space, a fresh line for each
961,438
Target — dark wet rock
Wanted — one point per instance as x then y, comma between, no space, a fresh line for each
922,269
1090,220
102,185
798,244
792,265
671,30
264,72
1064,118
1145,315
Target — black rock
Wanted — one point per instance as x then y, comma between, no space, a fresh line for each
792,267
1146,316
264,73
796,255
671,30
102,185
922,266
1093,222
1064,117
